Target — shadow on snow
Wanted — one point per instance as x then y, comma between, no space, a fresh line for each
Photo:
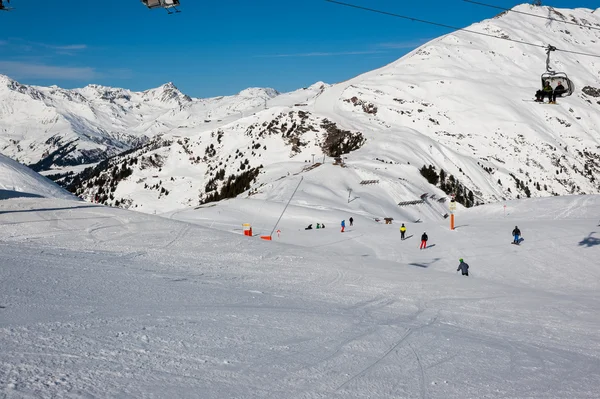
7,194
590,241
51,209
424,265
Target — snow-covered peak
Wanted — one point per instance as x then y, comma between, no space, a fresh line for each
8,85
95,92
167,93
169,86
259,92
318,86
5,80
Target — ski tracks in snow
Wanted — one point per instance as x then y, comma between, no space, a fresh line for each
573,207
396,346
182,233
376,362
421,373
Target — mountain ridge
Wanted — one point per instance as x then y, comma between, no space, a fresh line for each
447,118
37,121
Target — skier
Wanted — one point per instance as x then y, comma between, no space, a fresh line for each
516,234
309,227
402,231
318,225
343,225
545,91
464,267
424,239
351,221
322,225
558,91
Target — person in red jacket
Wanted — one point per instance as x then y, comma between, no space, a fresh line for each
424,239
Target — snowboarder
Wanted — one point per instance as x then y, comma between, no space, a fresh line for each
309,227
343,225
322,225
351,221
318,225
516,234
545,91
402,231
558,91
464,267
424,239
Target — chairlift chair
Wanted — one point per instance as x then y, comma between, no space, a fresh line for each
555,77
166,4
3,7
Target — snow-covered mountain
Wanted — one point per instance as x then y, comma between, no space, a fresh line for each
453,105
457,103
53,127
17,180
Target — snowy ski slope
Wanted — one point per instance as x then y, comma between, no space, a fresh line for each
100,302
104,302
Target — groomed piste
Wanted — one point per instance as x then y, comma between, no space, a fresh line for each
104,302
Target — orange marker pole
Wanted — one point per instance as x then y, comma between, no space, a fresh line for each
452,209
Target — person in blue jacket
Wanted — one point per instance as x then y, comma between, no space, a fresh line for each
343,225
464,267
516,235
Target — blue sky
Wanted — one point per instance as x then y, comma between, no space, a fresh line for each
219,47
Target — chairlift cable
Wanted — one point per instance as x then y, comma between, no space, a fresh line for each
428,22
530,14
456,28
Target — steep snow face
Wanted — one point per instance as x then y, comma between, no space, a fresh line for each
17,180
458,103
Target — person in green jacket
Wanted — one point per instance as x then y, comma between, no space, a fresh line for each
547,90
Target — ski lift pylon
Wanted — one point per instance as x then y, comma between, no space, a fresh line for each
556,77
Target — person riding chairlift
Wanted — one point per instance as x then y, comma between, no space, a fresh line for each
546,91
559,90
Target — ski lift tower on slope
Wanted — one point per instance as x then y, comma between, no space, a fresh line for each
556,77
166,4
